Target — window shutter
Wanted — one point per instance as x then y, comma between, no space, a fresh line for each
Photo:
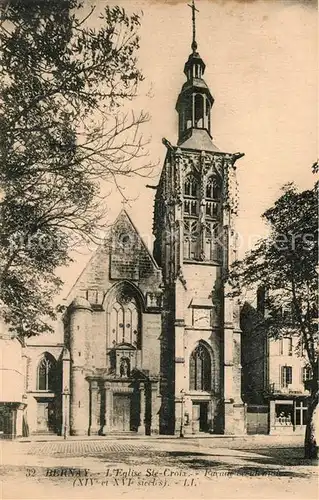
280,347
289,375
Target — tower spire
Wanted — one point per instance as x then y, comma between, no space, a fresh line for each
194,43
195,101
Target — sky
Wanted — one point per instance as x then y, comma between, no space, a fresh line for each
261,67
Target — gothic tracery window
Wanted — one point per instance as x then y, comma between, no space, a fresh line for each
212,242
213,188
213,197
191,235
200,376
191,188
46,373
125,323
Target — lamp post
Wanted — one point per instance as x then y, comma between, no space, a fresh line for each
181,432
65,395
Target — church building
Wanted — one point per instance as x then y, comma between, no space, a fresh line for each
150,342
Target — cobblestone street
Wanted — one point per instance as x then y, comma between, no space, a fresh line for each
158,468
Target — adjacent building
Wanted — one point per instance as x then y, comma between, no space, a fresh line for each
274,372
12,384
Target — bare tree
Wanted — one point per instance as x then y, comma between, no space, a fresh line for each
63,131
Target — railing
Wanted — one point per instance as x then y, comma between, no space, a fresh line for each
279,389
283,421
212,208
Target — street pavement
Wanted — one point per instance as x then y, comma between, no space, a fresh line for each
257,467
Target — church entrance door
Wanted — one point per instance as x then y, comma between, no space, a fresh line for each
46,417
200,417
122,412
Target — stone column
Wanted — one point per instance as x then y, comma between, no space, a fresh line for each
154,409
65,430
94,408
228,364
141,427
79,417
211,413
108,415
65,424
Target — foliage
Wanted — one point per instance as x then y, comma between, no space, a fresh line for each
284,264
63,131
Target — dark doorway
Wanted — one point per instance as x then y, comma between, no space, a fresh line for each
200,417
203,417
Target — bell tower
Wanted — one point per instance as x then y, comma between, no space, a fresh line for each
195,101
195,244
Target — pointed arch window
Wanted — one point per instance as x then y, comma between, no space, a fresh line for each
125,321
200,369
46,373
191,190
191,186
213,196
212,243
213,188
191,237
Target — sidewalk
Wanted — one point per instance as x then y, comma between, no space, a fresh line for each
262,439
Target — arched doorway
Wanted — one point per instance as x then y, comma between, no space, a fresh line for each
200,385
48,395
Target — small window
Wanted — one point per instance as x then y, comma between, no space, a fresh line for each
306,373
286,346
286,376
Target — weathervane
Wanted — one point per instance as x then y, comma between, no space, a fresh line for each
194,43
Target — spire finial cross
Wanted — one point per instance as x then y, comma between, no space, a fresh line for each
194,43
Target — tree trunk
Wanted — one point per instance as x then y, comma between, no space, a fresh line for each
311,447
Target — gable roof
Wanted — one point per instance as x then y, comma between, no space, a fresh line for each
122,216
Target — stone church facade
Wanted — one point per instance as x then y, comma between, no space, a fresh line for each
113,334
150,343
